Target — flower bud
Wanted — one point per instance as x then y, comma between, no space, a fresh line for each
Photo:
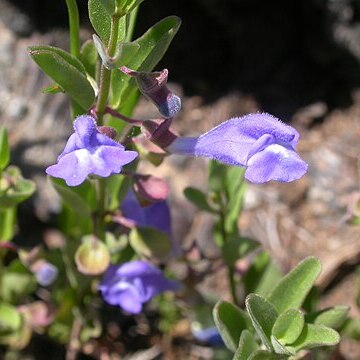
158,131
150,188
45,272
92,257
108,131
153,86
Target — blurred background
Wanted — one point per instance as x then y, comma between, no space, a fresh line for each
299,60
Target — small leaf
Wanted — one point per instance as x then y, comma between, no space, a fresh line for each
288,326
66,71
279,348
54,89
263,316
198,198
4,148
230,321
292,289
117,187
16,190
314,336
247,345
236,248
152,47
216,176
150,242
333,317
16,283
89,57
80,198
101,20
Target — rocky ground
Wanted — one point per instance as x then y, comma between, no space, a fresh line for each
308,217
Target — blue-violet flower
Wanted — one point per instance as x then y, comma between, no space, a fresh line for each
89,152
260,142
131,284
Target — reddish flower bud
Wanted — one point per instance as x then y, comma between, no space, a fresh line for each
150,188
153,86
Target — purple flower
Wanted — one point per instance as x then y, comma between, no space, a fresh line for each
156,215
45,273
89,152
261,142
131,284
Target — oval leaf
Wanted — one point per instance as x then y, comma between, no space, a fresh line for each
150,242
288,326
66,71
333,317
314,336
230,321
263,316
292,289
247,345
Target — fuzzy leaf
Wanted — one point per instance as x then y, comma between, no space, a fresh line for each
264,355
89,56
314,336
292,289
100,19
333,317
288,326
247,345
66,71
230,321
263,316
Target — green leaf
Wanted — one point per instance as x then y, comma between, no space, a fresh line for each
333,317
279,348
198,198
292,289
263,316
80,199
66,71
262,276
109,6
264,355
216,176
288,326
54,89
101,20
247,345
10,319
7,223
150,242
125,6
89,57
16,189
230,321
117,187
314,336
152,47
4,148
236,248
16,283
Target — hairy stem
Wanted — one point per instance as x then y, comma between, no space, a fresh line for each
105,75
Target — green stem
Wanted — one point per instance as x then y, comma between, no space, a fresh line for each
100,216
130,23
230,268
74,27
105,75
